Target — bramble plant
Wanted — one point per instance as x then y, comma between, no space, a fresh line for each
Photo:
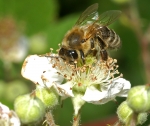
93,82
96,82
89,80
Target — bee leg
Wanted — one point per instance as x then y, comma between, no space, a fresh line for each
104,56
92,43
107,65
82,56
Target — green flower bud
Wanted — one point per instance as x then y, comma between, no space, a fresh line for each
142,117
124,113
139,98
48,96
29,108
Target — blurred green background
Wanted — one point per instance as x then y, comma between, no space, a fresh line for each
42,24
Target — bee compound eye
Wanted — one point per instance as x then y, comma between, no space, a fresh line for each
61,52
73,54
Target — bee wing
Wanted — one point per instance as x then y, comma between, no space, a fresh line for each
89,15
108,17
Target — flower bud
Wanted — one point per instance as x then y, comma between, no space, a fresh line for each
124,113
142,117
48,96
139,98
29,108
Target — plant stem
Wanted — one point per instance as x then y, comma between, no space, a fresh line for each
49,119
76,120
133,121
143,40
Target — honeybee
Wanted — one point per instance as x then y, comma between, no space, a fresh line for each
90,35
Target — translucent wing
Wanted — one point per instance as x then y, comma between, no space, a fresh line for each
89,15
108,17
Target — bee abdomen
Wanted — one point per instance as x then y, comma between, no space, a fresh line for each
114,40
110,37
105,33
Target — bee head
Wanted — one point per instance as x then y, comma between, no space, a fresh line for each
69,55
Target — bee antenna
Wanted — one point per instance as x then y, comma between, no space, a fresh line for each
52,56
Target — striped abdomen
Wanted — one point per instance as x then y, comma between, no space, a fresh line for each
109,37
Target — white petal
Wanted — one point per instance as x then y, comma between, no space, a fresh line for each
65,89
115,87
39,70
96,97
126,83
126,86
8,116
4,108
14,119
93,94
118,87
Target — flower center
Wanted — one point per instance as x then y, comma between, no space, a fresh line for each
93,73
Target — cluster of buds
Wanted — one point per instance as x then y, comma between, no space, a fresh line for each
134,110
